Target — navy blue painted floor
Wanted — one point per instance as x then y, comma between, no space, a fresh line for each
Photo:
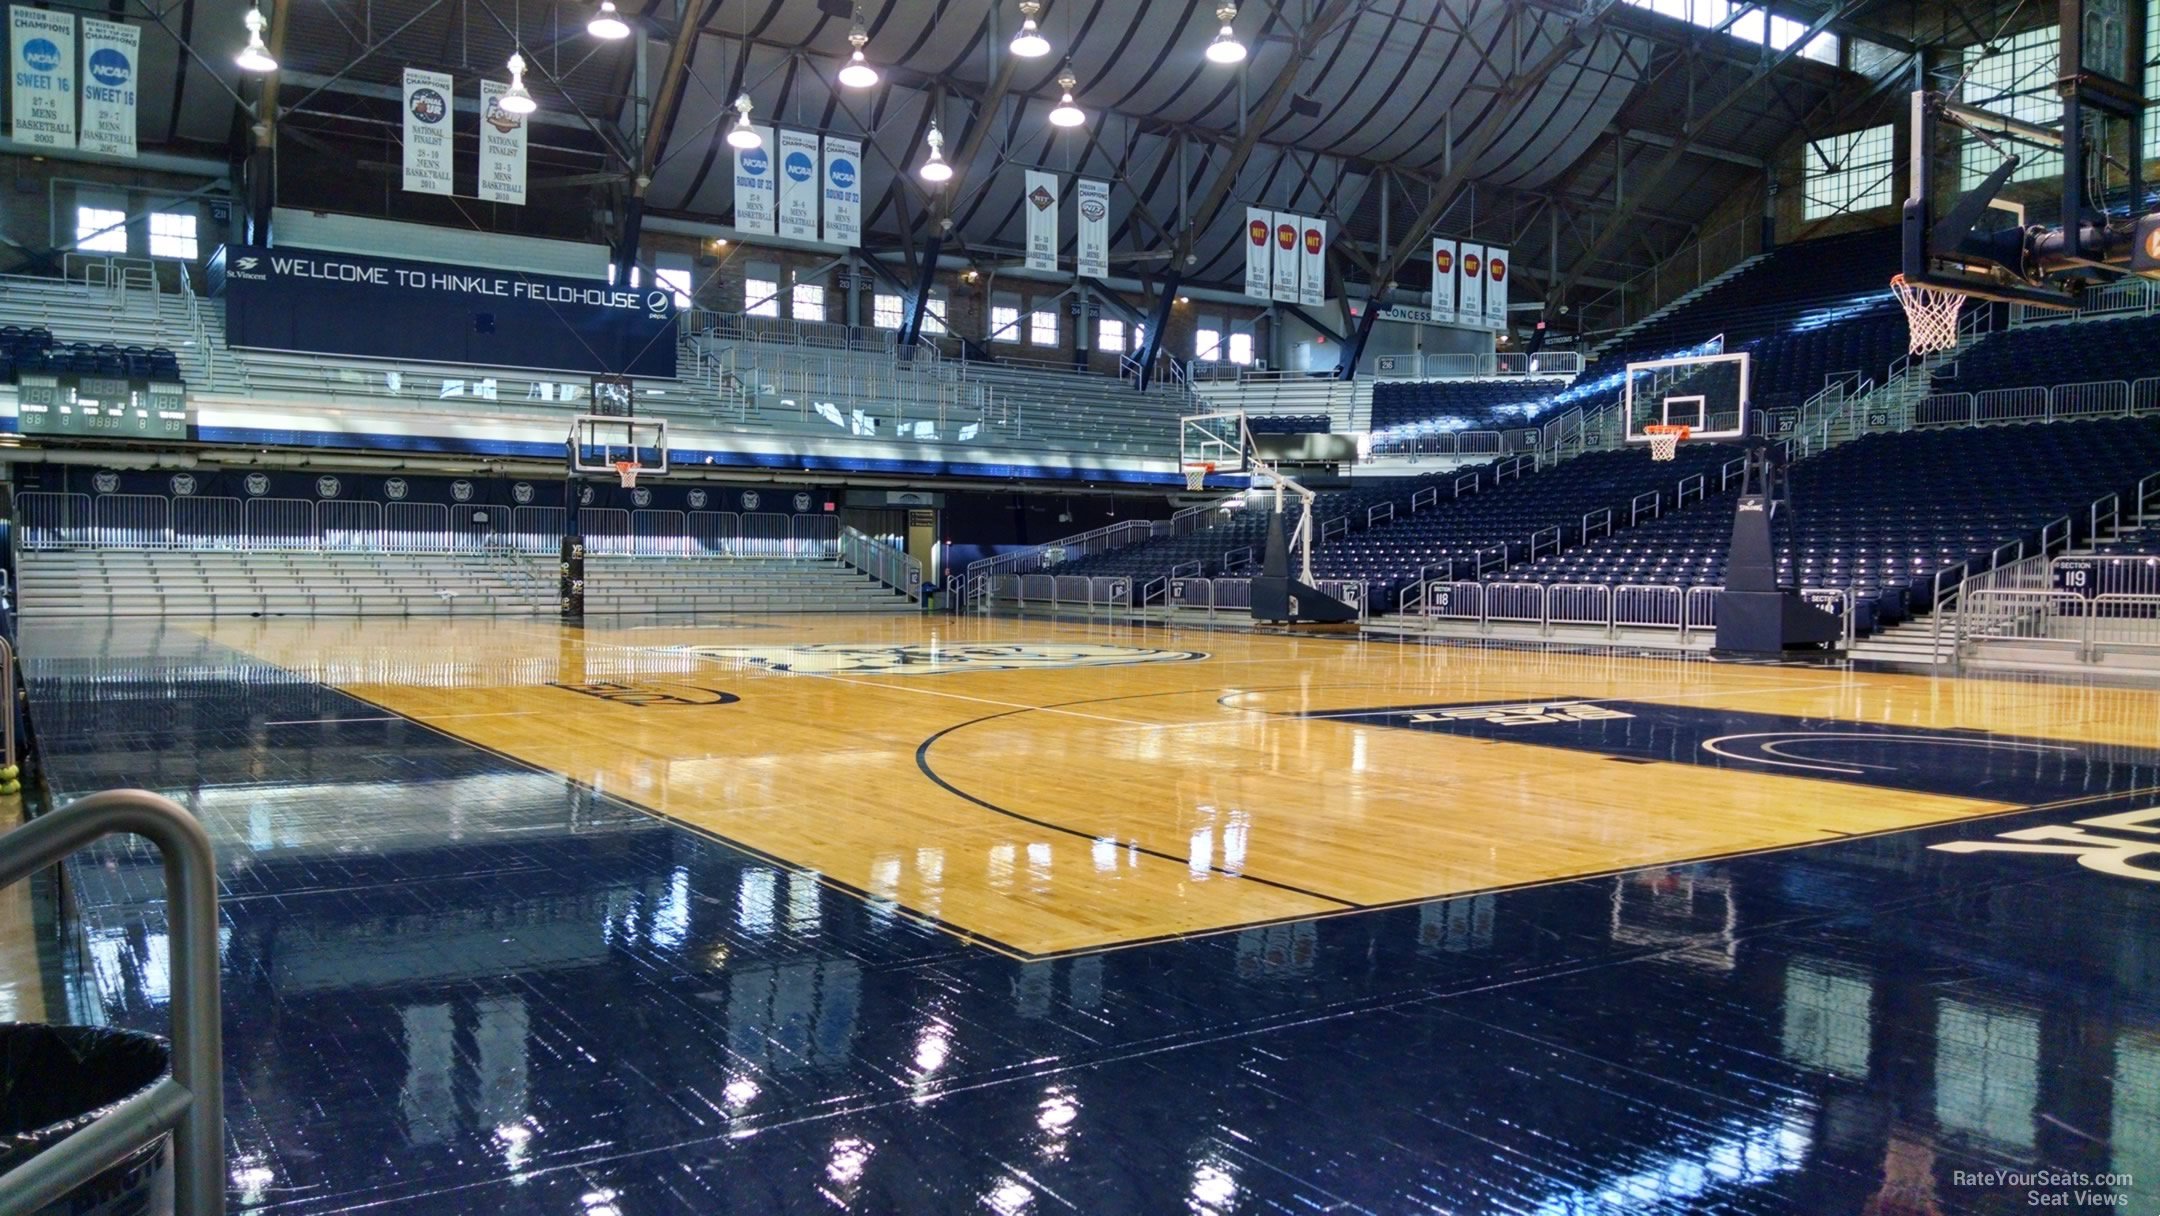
457,986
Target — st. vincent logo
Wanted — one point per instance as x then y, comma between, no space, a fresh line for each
651,694
1043,199
848,658
428,106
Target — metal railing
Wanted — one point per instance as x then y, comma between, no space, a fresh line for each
191,1102
2122,297
889,565
2035,403
1557,364
1608,606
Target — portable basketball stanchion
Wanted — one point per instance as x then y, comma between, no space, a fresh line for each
1665,439
1931,315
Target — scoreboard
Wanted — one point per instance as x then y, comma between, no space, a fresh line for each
105,407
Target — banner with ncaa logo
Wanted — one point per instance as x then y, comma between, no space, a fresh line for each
843,191
110,62
1496,279
799,185
1040,204
1312,264
754,203
1283,284
1470,285
502,147
1443,280
1259,241
427,131
44,75
1094,228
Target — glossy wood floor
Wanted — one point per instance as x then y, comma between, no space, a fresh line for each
1051,787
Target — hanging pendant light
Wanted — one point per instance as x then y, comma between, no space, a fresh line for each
255,57
515,100
1029,42
742,134
935,170
1226,48
858,74
608,23
1067,114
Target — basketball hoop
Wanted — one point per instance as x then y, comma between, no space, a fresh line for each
1931,314
1196,475
1665,439
628,471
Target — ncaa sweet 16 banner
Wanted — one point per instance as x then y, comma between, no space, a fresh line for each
502,147
843,191
755,210
1496,279
43,48
1443,280
1259,263
110,62
427,131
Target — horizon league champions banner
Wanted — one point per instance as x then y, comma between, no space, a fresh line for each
385,308
110,58
43,76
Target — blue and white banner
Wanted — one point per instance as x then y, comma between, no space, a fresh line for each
468,316
111,62
799,185
502,147
1496,281
843,191
1094,256
754,205
43,46
428,155
1040,205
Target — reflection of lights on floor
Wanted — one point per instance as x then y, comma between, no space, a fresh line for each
1214,1189
252,1179
738,1092
1009,1197
514,1138
600,1202
849,1158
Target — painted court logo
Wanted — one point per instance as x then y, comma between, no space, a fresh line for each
845,658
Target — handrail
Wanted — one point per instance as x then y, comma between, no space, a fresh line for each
190,1103
891,567
10,773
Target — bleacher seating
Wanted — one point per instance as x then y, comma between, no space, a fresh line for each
1469,404
1288,424
670,586
153,582
1239,529
2046,355
1884,515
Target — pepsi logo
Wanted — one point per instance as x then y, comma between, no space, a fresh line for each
428,106
1095,209
1497,267
842,173
1286,236
756,163
1257,231
797,166
656,303
40,55
109,67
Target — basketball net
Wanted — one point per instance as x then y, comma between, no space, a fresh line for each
1931,314
1665,440
1196,475
628,471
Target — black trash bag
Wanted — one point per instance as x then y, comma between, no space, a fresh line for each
55,1080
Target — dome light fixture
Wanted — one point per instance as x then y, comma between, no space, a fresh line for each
515,99
255,57
608,24
1029,42
742,134
935,170
1226,48
858,74
1067,114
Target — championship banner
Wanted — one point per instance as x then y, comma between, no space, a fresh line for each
428,155
44,93
1312,264
1042,220
843,191
755,208
1496,279
502,147
799,185
1443,280
1283,285
1259,261
425,312
1470,294
1094,256
108,92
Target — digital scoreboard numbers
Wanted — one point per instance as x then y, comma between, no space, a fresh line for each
101,407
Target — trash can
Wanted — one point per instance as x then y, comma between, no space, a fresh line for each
56,1079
